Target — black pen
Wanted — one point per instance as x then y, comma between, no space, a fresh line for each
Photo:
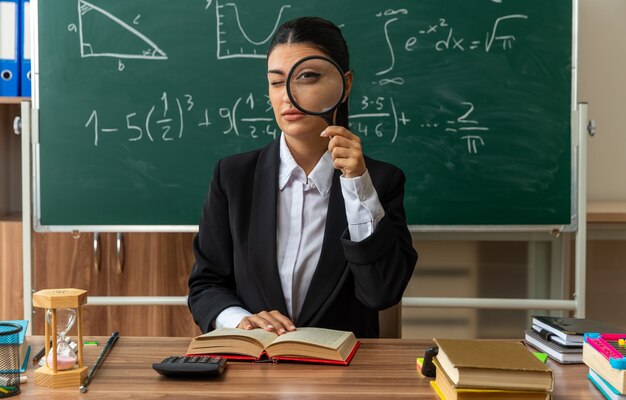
38,356
99,361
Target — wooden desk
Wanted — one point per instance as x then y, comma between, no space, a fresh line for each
381,369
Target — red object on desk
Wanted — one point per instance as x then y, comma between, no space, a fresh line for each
265,357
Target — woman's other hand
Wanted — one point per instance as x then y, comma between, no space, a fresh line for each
270,321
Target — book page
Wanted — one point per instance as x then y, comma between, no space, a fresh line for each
328,338
256,335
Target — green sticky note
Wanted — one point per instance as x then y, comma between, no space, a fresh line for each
543,357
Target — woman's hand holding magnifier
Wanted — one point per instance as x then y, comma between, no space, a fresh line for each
345,148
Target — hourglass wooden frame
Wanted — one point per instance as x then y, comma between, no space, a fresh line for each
53,299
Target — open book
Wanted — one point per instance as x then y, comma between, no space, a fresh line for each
317,345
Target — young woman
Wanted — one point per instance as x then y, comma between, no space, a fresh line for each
306,231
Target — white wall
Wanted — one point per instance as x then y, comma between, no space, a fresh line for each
602,83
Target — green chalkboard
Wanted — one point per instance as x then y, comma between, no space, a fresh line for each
139,99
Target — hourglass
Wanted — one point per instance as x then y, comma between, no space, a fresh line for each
63,310
66,358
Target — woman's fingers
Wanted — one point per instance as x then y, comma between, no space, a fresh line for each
246,324
272,321
346,151
335,130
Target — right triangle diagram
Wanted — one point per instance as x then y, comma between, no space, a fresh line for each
102,34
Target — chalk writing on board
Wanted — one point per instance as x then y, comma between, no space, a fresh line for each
464,124
96,46
167,119
248,116
378,117
465,127
230,30
441,36
255,123
450,40
163,121
390,17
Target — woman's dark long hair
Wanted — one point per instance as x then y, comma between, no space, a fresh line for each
324,35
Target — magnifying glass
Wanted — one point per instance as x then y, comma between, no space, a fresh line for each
316,86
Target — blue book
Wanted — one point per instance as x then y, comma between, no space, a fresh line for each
9,50
25,355
607,390
25,50
21,341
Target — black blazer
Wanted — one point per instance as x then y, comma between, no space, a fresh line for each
235,250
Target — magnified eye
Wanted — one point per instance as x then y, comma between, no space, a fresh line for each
308,77
315,86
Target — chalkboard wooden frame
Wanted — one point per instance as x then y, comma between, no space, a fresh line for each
569,225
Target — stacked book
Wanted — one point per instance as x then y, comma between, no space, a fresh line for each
605,355
489,369
562,338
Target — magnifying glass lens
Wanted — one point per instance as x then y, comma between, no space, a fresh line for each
316,85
